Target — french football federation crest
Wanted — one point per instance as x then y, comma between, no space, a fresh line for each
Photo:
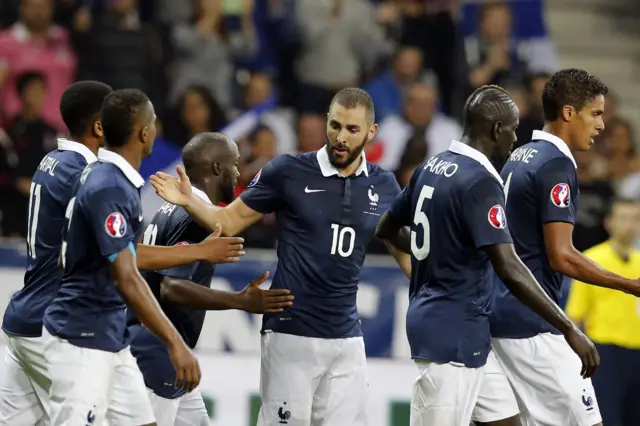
497,217
255,179
561,195
115,225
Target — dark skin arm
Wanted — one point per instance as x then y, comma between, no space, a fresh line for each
522,284
138,296
397,238
252,299
564,258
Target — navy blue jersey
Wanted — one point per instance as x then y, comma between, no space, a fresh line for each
51,190
171,226
541,186
103,218
324,223
454,207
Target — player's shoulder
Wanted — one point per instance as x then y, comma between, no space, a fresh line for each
100,179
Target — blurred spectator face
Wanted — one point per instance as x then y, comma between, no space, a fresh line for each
420,105
408,65
496,22
536,89
263,144
519,97
311,133
33,95
195,112
36,14
619,140
209,7
622,223
122,6
610,110
258,90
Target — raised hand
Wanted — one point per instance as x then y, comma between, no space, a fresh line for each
176,191
259,301
216,249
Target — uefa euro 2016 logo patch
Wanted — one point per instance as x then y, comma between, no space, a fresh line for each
497,217
115,225
255,179
561,195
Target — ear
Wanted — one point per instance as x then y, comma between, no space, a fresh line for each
216,168
568,112
144,134
372,132
97,129
606,224
496,130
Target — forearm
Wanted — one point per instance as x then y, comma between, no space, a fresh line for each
139,297
186,293
151,258
579,267
523,285
207,215
402,259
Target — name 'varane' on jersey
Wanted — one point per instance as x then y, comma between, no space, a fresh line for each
325,222
103,218
454,207
171,226
541,186
51,190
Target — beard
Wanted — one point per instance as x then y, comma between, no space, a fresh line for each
352,154
227,193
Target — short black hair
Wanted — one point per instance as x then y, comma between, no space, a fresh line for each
485,106
194,153
120,110
81,103
352,97
27,78
572,87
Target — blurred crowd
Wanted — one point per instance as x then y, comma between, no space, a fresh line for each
204,63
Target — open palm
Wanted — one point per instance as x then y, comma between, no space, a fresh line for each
176,191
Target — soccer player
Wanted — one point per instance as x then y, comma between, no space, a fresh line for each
541,192
93,374
327,205
454,205
26,383
210,161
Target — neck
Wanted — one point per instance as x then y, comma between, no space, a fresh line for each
202,185
89,142
132,157
557,129
623,249
351,168
478,143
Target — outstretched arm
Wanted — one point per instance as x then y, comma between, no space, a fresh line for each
563,257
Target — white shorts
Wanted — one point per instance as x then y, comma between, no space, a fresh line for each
545,375
308,381
186,410
89,386
25,386
496,399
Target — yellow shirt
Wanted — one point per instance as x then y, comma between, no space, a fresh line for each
609,316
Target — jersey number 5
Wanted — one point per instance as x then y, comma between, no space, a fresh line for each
420,219
340,234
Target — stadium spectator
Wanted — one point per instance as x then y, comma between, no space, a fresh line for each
35,44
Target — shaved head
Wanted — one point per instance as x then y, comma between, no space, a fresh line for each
210,160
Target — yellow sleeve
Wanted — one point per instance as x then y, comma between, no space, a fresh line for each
578,301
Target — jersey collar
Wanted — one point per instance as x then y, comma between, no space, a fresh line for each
200,194
539,135
67,145
463,149
327,168
132,174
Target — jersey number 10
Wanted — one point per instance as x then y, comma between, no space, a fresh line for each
342,236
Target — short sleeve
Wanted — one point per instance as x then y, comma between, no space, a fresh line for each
263,192
483,211
110,213
557,187
400,209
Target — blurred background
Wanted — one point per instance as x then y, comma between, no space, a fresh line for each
264,72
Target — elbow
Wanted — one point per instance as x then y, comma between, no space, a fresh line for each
167,291
560,261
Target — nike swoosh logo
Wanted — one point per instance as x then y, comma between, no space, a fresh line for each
141,217
309,191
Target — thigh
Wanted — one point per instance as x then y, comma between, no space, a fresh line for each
290,369
545,375
19,403
444,394
81,381
191,410
129,403
165,410
496,400
341,397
